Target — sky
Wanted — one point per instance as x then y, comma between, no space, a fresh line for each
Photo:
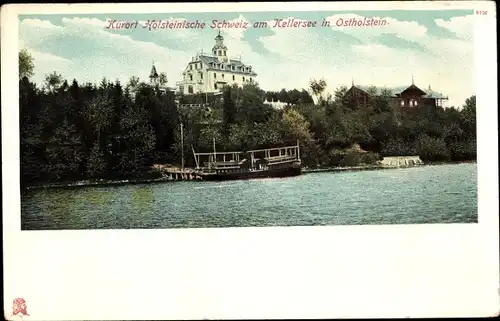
435,47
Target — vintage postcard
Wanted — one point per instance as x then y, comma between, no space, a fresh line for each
274,160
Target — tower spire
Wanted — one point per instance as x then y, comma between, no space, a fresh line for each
153,75
352,81
412,82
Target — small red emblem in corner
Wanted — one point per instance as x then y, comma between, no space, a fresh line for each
19,307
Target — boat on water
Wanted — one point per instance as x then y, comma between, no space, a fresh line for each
261,163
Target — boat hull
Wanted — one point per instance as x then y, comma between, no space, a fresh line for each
271,173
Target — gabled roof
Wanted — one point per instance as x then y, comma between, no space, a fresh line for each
397,90
414,88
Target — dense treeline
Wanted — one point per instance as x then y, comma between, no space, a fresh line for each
72,131
292,97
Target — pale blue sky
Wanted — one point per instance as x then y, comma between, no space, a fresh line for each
435,46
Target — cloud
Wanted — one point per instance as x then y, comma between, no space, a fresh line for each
238,28
44,62
94,22
82,48
403,29
96,53
446,64
462,27
40,24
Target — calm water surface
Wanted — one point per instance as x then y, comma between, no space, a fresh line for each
429,194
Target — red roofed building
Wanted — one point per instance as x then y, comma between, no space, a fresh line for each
405,96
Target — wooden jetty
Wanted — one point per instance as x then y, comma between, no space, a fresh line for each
177,174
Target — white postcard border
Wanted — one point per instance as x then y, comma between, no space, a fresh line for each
295,272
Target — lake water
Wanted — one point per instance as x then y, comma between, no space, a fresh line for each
428,194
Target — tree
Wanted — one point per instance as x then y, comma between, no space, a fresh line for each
229,110
95,166
432,149
317,88
133,82
26,64
64,153
162,79
249,101
133,86
469,114
137,140
97,113
53,81
295,126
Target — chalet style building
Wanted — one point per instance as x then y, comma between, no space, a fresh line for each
210,73
404,96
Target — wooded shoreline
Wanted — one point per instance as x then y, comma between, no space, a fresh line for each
113,132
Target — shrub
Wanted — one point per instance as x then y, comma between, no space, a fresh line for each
370,158
432,149
351,159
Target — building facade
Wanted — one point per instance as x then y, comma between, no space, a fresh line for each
210,73
404,96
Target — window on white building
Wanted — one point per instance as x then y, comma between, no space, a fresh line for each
222,76
201,75
191,67
215,75
234,78
190,89
191,77
215,86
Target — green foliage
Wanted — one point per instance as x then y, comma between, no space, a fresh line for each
96,165
106,130
432,149
293,97
317,88
53,81
26,64
295,126
162,79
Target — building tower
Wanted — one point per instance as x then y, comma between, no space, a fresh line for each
220,50
153,76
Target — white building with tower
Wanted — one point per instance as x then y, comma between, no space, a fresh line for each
210,73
